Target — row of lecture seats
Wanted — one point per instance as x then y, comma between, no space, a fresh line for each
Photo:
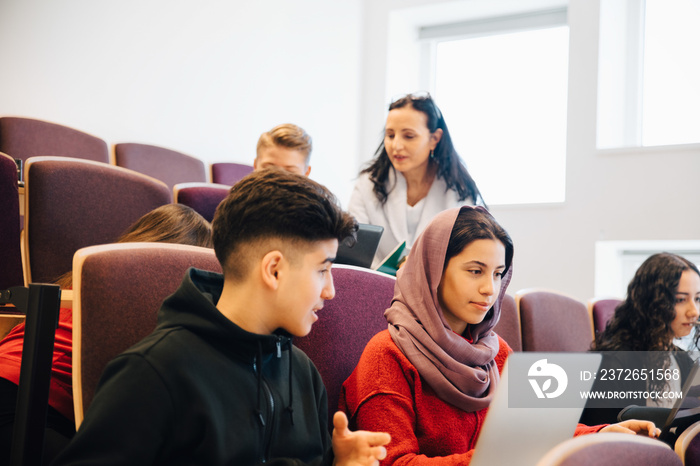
71,203
22,138
73,196
548,321
116,284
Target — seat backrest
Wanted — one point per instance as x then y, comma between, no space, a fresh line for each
169,166
202,197
687,445
508,326
611,449
229,172
10,256
601,311
117,292
346,324
22,138
551,321
72,203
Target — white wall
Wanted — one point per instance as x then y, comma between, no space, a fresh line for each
634,194
204,77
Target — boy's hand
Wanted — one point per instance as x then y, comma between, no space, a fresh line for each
359,448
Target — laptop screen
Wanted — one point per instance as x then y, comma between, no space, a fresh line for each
530,425
362,252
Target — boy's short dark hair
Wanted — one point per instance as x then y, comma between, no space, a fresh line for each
275,204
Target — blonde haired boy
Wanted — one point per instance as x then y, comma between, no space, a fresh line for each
285,146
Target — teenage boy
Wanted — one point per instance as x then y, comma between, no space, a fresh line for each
285,146
218,382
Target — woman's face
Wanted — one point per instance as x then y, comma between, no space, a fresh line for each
687,304
471,282
408,141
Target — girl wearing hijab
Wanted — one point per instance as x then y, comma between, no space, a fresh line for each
428,380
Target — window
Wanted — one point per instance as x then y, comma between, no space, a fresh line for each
648,92
501,84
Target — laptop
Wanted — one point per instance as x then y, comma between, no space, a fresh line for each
685,410
362,252
672,421
522,428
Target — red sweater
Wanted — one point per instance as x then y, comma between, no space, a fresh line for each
385,393
60,391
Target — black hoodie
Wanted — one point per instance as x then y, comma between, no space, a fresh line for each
191,393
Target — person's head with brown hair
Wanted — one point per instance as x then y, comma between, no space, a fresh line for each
416,137
170,223
275,209
285,146
662,303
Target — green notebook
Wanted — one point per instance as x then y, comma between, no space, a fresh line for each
390,264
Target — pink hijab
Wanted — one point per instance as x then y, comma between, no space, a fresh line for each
463,374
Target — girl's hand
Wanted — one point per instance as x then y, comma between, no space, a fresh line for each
634,426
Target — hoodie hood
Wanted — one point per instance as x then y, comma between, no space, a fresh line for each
193,306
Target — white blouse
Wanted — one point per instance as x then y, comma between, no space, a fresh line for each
400,221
